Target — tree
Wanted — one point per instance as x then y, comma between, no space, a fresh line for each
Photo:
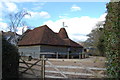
16,20
112,39
95,40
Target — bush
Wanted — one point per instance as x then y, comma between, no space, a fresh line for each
10,60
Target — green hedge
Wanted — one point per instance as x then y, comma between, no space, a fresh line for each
112,39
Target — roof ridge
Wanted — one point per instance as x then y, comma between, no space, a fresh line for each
44,35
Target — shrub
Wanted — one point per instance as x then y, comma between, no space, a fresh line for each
10,60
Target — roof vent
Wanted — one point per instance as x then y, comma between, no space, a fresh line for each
63,34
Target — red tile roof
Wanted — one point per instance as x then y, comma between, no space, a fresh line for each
43,35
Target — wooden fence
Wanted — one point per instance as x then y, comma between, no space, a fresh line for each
44,67
65,74
37,68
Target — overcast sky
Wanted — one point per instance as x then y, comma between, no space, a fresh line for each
80,17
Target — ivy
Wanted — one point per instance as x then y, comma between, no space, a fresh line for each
112,39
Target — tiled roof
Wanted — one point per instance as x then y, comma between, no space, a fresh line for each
27,31
71,43
43,35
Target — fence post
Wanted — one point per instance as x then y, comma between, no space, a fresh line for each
43,67
79,55
68,55
83,55
57,55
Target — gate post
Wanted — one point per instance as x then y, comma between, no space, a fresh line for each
43,67
0,55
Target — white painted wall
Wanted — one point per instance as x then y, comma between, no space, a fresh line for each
54,49
30,50
35,51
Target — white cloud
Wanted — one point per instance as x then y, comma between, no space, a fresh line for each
6,7
1,19
44,14
41,14
20,0
20,30
62,17
101,20
81,25
75,8
33,14
3,26
77,25
78,37
38,6
102,17
27,16
1,6
12,7
1,9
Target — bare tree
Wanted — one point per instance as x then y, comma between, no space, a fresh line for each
16,20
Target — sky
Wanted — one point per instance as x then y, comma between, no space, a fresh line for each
79,17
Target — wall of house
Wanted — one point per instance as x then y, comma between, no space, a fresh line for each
53,49
63,51
75,51
33,51
36,51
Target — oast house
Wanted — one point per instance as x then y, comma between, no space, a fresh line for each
43,41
